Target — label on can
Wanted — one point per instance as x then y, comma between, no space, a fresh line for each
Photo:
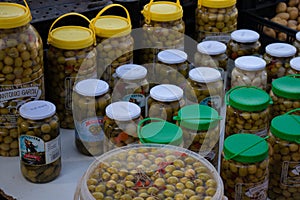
212,101
90,130
257,191
290,174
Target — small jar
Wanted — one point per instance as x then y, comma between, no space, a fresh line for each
284,157
201,130
206,86
120,124
247,111
39,139
90,98
215,20
296,43
245,167
249,71
164,102
285,94
295,66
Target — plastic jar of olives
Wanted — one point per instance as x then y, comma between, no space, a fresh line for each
164,102
285,94
295,66
114,42
247,111
90,98
296,43
215,20
284,157
21,70
120,124
71,57
40,146
249,71
245,167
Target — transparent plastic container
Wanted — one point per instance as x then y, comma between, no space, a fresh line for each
295,66
40,146
296,43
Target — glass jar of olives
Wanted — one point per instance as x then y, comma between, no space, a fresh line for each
215,20
284,156
71,57
114,43
164,102
245,167
90,98
39,139
120,124
249,71
295,66
21,70
285,94
296,43
247,111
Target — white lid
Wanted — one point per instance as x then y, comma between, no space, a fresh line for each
166,93
298,36
131,71
37,110
172,56
244,36
280,50
205,75
91,87
123,111
211,47
250,63
295,63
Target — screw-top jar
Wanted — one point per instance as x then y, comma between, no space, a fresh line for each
71,57
296,43
120,124
284,157
295,66
247,111
244,167
249,71
285,94
40,146
21,70
164,102
90,99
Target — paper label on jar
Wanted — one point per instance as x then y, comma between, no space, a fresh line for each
52,149
255,191
212,101
138,99
261,132
90,130
290,174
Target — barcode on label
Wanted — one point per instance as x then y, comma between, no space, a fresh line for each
55,155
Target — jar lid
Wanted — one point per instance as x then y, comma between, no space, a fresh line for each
205,75
244,36
172,56
295,63
249,98
246,148
198,117
298,36
37,110
211,47
161,133
218,3
123,111
287,87
250,63
281,50
71,37
14,15
91,87
131,72
166,93
109,26
286,127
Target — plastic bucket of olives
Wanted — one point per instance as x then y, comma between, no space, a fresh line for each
150,171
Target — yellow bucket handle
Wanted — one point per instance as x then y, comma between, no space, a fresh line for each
199,3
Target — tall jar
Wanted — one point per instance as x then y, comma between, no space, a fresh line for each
39,139
90,98
284,157
249,71
120,124
285,94
215,20
71,57
295,66
114,43
296,43
245,167
247,111
21,70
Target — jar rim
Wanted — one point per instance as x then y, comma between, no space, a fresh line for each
166,93
281,50
37,110
250,63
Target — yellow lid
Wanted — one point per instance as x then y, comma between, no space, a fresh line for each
14,15
217,3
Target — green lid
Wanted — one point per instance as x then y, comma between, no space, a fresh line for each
287,87
198,117
162,132
249,99
245,148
